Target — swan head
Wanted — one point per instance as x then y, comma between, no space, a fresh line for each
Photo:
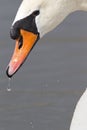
32,21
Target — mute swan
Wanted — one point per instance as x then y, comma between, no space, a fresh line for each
34,19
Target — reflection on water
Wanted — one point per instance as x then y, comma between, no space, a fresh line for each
45,90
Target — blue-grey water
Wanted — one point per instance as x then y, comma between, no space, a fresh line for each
45,90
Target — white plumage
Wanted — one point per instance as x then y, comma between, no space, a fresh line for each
79,120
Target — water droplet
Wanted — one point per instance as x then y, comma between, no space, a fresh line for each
9,85
9,89
32,126
58,81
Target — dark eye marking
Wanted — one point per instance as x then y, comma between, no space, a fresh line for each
35,13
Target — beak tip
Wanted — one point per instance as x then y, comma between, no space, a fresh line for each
7,72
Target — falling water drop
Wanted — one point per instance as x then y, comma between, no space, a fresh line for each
31,124
9,85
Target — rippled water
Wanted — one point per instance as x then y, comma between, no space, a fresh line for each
47,87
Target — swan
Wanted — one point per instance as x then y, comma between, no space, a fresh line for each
33,20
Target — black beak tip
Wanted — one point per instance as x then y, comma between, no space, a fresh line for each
7,70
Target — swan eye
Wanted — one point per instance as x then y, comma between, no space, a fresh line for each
37,12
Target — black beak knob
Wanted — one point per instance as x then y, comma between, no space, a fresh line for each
14,33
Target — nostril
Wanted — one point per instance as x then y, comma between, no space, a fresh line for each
20,42
14,33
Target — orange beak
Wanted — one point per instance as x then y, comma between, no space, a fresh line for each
23,46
